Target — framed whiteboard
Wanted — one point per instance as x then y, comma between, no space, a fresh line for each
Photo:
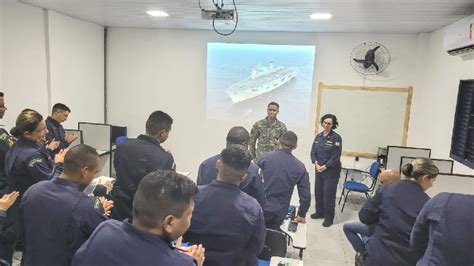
452,183
395,154
369,117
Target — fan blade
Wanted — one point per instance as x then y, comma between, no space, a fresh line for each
360,61
376,66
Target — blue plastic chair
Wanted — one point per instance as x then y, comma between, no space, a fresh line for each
351,185
120,140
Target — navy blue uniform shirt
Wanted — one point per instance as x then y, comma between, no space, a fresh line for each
6,141
326,150
133,160
28,162
56,132
444,231
119,243
252,184
228,223
58,218
281,172
394,210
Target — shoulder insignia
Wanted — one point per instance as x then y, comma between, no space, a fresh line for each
34,161
97,204
338,143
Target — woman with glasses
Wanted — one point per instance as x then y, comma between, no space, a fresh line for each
26,163
393,211
326,157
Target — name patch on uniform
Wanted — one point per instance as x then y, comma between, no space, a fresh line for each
35,161
338,144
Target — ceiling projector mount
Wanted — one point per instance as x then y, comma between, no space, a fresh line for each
221,15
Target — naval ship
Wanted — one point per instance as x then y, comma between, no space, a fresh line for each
262,80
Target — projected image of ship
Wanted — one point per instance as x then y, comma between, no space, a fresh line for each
263,79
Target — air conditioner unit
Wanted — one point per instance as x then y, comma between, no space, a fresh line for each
459,37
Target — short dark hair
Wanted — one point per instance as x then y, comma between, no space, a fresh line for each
27,121
237,135
274,103
60,107
78,157
161,193
289,140
236,157
334,120
1,94
157,121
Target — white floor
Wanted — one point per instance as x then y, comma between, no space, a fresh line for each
329,246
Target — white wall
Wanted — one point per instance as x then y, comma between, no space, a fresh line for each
23,60
75,57
435,96
77,67
166,70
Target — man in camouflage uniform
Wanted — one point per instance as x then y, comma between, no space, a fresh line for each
267,131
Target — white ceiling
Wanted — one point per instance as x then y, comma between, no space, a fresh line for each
382,16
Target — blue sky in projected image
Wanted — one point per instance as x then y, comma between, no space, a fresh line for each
229,63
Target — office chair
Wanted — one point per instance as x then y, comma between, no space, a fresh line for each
275,245
352,185
120,140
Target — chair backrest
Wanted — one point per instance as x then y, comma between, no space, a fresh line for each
275,245
120,140
374,169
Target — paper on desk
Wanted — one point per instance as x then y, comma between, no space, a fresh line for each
285,261
101,180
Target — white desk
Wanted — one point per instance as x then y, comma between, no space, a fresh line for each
297,238
291,262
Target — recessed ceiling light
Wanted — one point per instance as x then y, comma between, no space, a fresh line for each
157,13
321,16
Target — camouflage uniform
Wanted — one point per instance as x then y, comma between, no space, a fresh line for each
267,135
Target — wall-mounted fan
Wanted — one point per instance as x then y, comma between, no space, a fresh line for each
370,58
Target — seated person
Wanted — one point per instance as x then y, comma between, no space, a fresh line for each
444,231
252,183
162,208
393,211
282,171
355,230
227,221
57,216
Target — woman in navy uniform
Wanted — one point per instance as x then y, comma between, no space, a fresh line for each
393,211
26,163
326,157
443,232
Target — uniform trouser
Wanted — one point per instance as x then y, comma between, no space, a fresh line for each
354,231
325,189
273,221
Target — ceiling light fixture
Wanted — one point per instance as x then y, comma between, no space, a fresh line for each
321,16
157,13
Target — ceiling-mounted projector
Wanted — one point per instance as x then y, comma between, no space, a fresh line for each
218,14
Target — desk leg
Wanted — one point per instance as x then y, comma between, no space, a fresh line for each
301,254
